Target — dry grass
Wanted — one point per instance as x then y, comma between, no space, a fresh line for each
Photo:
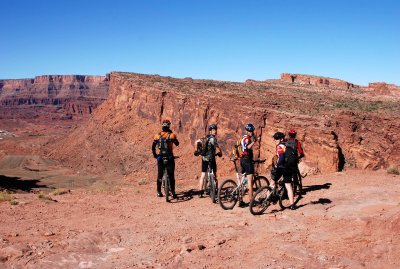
44,197
60,191
143,181
5,196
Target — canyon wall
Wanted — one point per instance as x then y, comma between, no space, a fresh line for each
337,130
76,94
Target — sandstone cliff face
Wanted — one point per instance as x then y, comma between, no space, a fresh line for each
76,94
337,129
316,81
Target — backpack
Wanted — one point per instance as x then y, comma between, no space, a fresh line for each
201,146
237,151
163,145
291,154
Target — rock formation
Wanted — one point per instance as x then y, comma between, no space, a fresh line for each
338,129
76,94
316,81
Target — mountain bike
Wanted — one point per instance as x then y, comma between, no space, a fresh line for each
230,191
298,184
165,179
266,195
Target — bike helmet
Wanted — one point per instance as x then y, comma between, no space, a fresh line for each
212,127
166,123
250,127
292,133
278,136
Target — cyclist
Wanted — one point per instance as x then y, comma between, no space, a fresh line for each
246,161
280,170
167,136
211,148
295,144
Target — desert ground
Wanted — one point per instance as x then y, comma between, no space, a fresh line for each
57,218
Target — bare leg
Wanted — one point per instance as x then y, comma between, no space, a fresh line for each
290,192
201,182
250,186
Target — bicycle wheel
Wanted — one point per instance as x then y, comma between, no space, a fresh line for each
228,194
260,201
284,198
211,179
166,186
260,181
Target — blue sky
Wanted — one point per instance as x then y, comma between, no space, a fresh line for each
358,41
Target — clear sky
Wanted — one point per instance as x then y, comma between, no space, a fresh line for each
354,40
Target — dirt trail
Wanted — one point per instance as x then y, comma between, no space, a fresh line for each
345,220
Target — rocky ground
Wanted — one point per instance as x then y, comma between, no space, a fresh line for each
345,220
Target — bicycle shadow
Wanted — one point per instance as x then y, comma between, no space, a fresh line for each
183,196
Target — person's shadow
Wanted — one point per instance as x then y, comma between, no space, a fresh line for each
15,184
311,188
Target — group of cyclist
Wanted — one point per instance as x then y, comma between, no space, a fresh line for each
209,148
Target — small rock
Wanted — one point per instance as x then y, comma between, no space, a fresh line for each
50,233
222,242
201,247
187,239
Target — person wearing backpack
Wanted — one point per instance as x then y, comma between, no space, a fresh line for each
164,141
282,167
208,149
246,159
293,143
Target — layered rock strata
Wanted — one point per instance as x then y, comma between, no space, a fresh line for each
74,93
338,129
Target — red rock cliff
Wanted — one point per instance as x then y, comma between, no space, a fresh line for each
337,129
75,93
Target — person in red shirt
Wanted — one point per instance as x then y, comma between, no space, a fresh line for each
281,169
246,161
296,145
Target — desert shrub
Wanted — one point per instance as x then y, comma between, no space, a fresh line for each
5,196
59,191
393,170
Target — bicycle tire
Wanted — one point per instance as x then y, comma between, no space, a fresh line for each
260,201
213,190
259,182
166,186
228,194
284,199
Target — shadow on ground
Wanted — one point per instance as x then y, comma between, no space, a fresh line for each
311,188
17,184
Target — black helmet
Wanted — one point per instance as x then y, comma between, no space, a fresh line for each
212,127
166,123
250,127
278,135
